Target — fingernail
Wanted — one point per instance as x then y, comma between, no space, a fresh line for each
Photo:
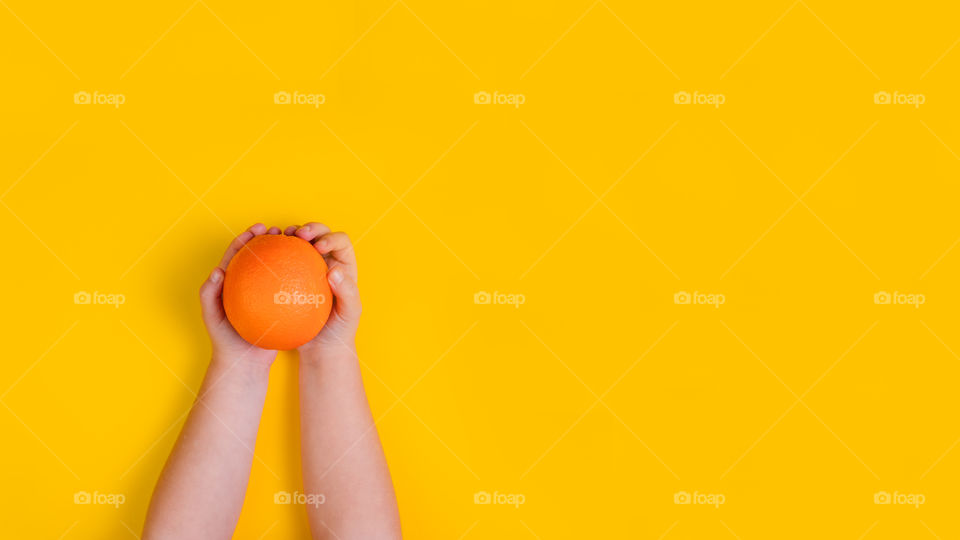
216,275
336,276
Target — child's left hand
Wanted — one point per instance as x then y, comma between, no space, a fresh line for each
227,344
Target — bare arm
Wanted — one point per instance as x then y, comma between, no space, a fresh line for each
341,452
201,489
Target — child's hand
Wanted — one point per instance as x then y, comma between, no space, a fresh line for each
228,346
339,331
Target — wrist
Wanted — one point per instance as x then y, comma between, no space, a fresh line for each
338,351
242,366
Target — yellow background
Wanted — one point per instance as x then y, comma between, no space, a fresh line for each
599,198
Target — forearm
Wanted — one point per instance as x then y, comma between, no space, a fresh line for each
201,489
341,452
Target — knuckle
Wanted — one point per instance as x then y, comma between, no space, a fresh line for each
341,239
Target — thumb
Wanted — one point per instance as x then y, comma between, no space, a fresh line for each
348,296
210,303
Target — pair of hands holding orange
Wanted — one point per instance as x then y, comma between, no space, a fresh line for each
337,253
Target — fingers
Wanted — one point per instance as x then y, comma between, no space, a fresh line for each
290,230
338,246
274,230
239,242
210,303
335,245
336,242
345,290
234,248
311,231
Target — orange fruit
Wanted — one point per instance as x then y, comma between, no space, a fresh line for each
275,292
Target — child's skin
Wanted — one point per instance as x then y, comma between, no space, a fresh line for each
202,487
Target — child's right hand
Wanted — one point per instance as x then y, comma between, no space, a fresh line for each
337,335
227,343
